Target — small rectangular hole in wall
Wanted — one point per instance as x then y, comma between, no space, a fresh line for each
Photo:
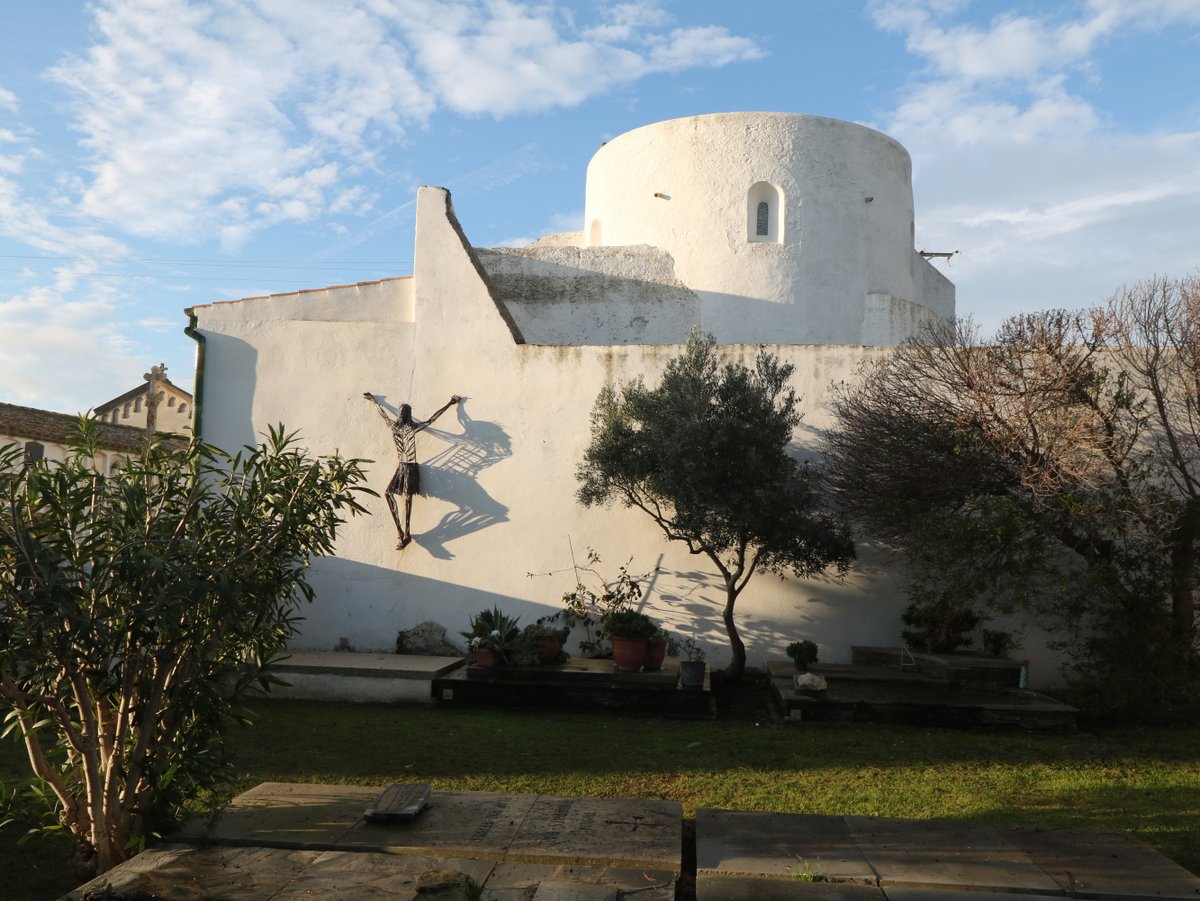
447,694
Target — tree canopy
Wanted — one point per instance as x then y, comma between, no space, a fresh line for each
137,607
704,455
1053,468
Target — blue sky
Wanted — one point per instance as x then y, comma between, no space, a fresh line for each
156,154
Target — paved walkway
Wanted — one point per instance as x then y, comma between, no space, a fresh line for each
285,842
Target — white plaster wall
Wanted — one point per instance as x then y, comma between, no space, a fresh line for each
847,229
51,450
935,290
498,471
604,295
305,359
57,451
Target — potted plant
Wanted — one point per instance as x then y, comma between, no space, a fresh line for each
691,670
629,631
545,640
939,627
590,605
491,636
998,643
661,644
803,653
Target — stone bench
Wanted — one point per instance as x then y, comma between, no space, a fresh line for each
359,677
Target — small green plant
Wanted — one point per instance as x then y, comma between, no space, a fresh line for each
939,627
527,649
492,630
803,652
806,872
670,639
997,643
629,624
594,598
691,649
539,631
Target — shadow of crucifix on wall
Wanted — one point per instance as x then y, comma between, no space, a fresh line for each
452,476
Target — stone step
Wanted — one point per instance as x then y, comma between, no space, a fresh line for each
957,669
877,694
582,684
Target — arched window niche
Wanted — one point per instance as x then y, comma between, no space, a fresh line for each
764,213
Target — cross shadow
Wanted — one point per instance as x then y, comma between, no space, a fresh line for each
451,475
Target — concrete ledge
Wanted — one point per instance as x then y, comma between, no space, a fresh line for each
360,678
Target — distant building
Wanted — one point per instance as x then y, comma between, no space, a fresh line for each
47,435
129,409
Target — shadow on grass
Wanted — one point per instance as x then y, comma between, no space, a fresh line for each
368,739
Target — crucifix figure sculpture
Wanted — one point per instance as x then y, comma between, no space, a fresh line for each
407,480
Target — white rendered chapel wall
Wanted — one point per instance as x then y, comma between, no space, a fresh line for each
498,510
498,471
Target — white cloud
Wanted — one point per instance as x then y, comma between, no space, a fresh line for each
60,339
8,100
193,113
1025,175
227,117
949,111
1020,46
505,57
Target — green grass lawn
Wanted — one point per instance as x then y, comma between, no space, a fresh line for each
1145,781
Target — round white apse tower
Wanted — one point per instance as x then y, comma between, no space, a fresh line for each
791,229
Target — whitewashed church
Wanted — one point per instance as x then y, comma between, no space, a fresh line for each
789,231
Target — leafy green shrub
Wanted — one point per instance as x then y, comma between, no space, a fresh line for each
803,652
492,630
939,627
139,608
629,624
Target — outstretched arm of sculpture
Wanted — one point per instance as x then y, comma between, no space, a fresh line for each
379,407
450,403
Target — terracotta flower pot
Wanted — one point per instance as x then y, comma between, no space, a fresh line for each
656,652
487,657
629,654
549,651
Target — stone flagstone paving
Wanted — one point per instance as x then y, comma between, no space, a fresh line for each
288,842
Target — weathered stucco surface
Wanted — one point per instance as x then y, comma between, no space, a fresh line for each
689,186
603,295
498,471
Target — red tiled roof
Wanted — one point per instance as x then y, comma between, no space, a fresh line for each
43,425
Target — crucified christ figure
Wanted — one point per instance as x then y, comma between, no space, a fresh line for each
407,480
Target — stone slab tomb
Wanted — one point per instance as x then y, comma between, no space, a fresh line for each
763,856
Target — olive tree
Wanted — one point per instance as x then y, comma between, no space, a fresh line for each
138,606
704,455
1052,468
